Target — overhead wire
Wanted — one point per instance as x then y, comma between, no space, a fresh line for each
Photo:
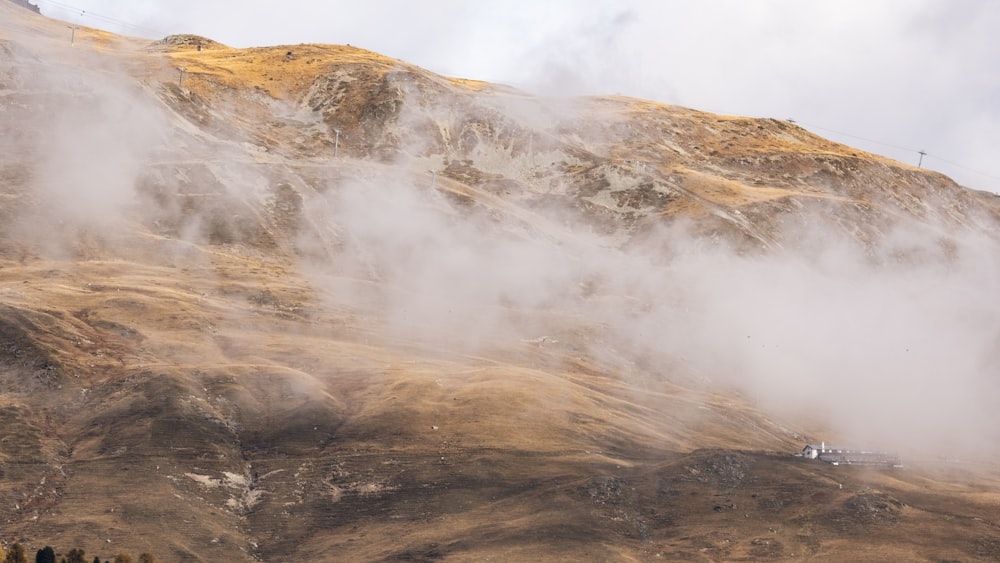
966,168
926,154
96,16
828,130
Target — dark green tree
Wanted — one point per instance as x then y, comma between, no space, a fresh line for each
45,555
76,555
97,559
123,558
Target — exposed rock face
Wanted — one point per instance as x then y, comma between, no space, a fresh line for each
625,166
28,5
187,40
310,300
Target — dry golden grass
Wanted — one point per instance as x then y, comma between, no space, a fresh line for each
271,69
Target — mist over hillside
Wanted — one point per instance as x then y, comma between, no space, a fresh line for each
318,289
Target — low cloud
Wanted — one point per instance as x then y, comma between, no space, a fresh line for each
891,346
85,131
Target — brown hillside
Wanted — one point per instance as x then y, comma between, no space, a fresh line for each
312,303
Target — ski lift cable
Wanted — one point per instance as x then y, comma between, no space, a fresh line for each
828,130
898,147
963,167
83,13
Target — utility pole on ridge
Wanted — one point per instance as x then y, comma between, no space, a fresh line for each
922,154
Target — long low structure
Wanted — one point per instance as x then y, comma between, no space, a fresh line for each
837,455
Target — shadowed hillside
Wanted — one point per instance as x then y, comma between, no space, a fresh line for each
311,303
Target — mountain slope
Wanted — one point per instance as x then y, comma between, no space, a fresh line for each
311,302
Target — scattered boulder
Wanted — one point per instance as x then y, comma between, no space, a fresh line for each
721,468
186,40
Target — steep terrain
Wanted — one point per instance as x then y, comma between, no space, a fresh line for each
311,303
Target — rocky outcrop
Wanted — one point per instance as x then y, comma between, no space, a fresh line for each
28,5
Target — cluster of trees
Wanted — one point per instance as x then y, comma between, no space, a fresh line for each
16,553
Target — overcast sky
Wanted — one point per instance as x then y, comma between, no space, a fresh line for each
888,76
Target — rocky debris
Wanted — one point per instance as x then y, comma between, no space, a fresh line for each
719,468
22,351
988,548
27,5
604,490
873,507
864,511
618,503
766,548
186,40
241,490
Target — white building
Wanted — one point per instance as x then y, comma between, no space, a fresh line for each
837,455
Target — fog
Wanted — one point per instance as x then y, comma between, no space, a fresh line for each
81,131
889,351
900,354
